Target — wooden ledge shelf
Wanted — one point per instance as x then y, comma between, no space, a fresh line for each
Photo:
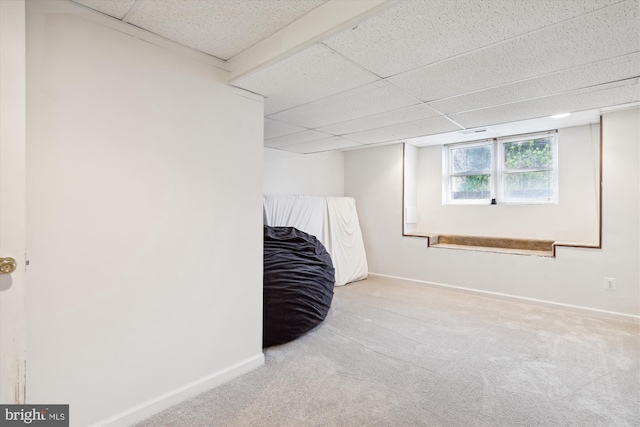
494,244
504,245
490,244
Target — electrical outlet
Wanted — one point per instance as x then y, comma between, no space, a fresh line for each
610,283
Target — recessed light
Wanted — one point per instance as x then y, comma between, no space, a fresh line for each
560,116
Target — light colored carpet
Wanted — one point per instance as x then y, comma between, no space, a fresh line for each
396,353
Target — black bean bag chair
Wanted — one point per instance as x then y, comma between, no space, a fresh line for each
298,284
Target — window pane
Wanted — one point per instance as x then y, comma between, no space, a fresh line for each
529,185
471,159
533,153
471,187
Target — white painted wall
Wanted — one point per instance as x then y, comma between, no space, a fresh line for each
319,174
12,200
410,188
144,220
573,219
575,277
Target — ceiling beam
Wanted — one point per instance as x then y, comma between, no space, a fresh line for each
322,22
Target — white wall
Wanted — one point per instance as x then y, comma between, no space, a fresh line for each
575,277
411,186
12,199
144,220
319,174
573,219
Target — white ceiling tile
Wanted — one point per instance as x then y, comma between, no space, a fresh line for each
580,100
116,8
378,144
295,138
605,34
597,73
273,128
334,143
309,75
400,131
373,98
222,28
403,115
512,128
417,32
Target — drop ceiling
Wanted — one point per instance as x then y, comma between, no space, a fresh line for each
420,71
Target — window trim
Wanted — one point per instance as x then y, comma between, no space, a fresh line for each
498,171
446,172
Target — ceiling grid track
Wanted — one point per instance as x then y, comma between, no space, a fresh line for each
352,61
382,71
132,10
532,98
538,76
510,39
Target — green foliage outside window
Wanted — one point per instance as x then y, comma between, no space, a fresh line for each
534,153
472,159
518,183
531,154
475,183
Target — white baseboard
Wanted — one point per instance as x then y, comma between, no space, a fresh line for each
575,308
166,400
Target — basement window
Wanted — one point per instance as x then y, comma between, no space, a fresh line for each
518,169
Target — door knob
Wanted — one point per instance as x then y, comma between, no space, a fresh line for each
7,265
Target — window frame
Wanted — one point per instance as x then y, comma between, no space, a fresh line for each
498,170
447,174
502,171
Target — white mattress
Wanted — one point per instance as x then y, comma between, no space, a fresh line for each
332,220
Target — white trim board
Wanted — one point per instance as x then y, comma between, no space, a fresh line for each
568,307
180,394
